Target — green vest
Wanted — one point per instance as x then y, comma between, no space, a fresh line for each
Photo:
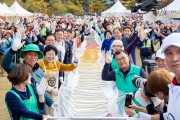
31,103
125,84
114,64
43,31
148,43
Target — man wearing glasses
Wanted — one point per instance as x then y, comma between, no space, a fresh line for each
124,75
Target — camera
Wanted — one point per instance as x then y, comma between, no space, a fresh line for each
145,5
140,82
150,65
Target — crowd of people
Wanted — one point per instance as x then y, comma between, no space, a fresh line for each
37,55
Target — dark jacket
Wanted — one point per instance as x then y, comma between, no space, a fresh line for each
68,54
5,46
127,40
39,39
106,45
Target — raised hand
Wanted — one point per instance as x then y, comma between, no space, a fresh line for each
141,34
41,88
36,27
76,57
138,28
21,29
108,57
17,41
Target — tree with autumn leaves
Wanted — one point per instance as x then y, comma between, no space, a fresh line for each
60,7
96,6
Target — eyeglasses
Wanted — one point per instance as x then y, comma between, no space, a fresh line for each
119,60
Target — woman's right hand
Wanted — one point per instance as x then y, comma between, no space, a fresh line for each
41,88
141,34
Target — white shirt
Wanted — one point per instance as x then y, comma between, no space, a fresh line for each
61,47
173,109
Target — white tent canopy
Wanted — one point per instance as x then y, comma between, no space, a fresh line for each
19,11
117,8
4,4
5,11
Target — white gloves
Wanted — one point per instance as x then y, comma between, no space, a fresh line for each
17,41
141,34
49,88
41,88
63,26
138,28
76,57
36,27
55,91
36,32
108,57
103,53
142,116
21,29
46,117
55,106
61,80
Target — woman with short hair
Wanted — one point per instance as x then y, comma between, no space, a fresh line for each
51,67
157,83
106,45
24,101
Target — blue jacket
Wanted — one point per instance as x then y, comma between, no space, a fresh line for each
36,75
4,47
106,45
